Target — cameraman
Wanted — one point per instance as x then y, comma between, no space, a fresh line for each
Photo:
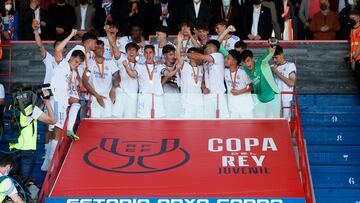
23,152
7,187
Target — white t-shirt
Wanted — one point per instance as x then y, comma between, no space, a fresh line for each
285,70
228,44
102,82
127,84
127,39
158,52
49,62
60,81
88,57
214,74
146,85
188,85
9,187
186,44
242,79
107,50
2,91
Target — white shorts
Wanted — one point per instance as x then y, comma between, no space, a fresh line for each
211,103
269,109
241,106
145,106
192,106
125,105
286,110
74,93
60,112
98,111
172,103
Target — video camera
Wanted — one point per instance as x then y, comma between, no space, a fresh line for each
27,96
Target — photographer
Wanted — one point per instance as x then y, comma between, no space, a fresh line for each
23,152
7,186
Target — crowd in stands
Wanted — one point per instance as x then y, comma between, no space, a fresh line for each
253,19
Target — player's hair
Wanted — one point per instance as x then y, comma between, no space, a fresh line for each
168,48
78,53
149,46
195,50
236,55
214,42
279,50
88,36
100,42
241,44
220,22
132,45
202,26
6,159
246,53
112,23
162,29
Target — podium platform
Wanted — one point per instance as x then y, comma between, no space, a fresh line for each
180,161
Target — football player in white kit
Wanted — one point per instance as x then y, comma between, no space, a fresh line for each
162,41
113,29
215,104
229,40
125,104
171,81
87,47
150,101
48,61
188,39
192,73
64,79
240,102
285,77
98,80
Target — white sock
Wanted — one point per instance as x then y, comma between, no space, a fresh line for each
52,148
74,109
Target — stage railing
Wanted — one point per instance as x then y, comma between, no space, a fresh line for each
296,129
175,100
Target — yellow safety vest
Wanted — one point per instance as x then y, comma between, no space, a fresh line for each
28,136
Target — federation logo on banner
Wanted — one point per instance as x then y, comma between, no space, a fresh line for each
242,156
136,156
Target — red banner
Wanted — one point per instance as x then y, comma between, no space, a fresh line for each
158,158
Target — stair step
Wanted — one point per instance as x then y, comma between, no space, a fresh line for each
336,136
315,169
334,110
333,149
332,120
329,100
351,181
338,200
339,158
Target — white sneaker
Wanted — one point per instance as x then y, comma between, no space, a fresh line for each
46,164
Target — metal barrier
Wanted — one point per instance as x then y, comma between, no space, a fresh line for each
296,128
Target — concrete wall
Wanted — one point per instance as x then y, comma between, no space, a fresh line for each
321,68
